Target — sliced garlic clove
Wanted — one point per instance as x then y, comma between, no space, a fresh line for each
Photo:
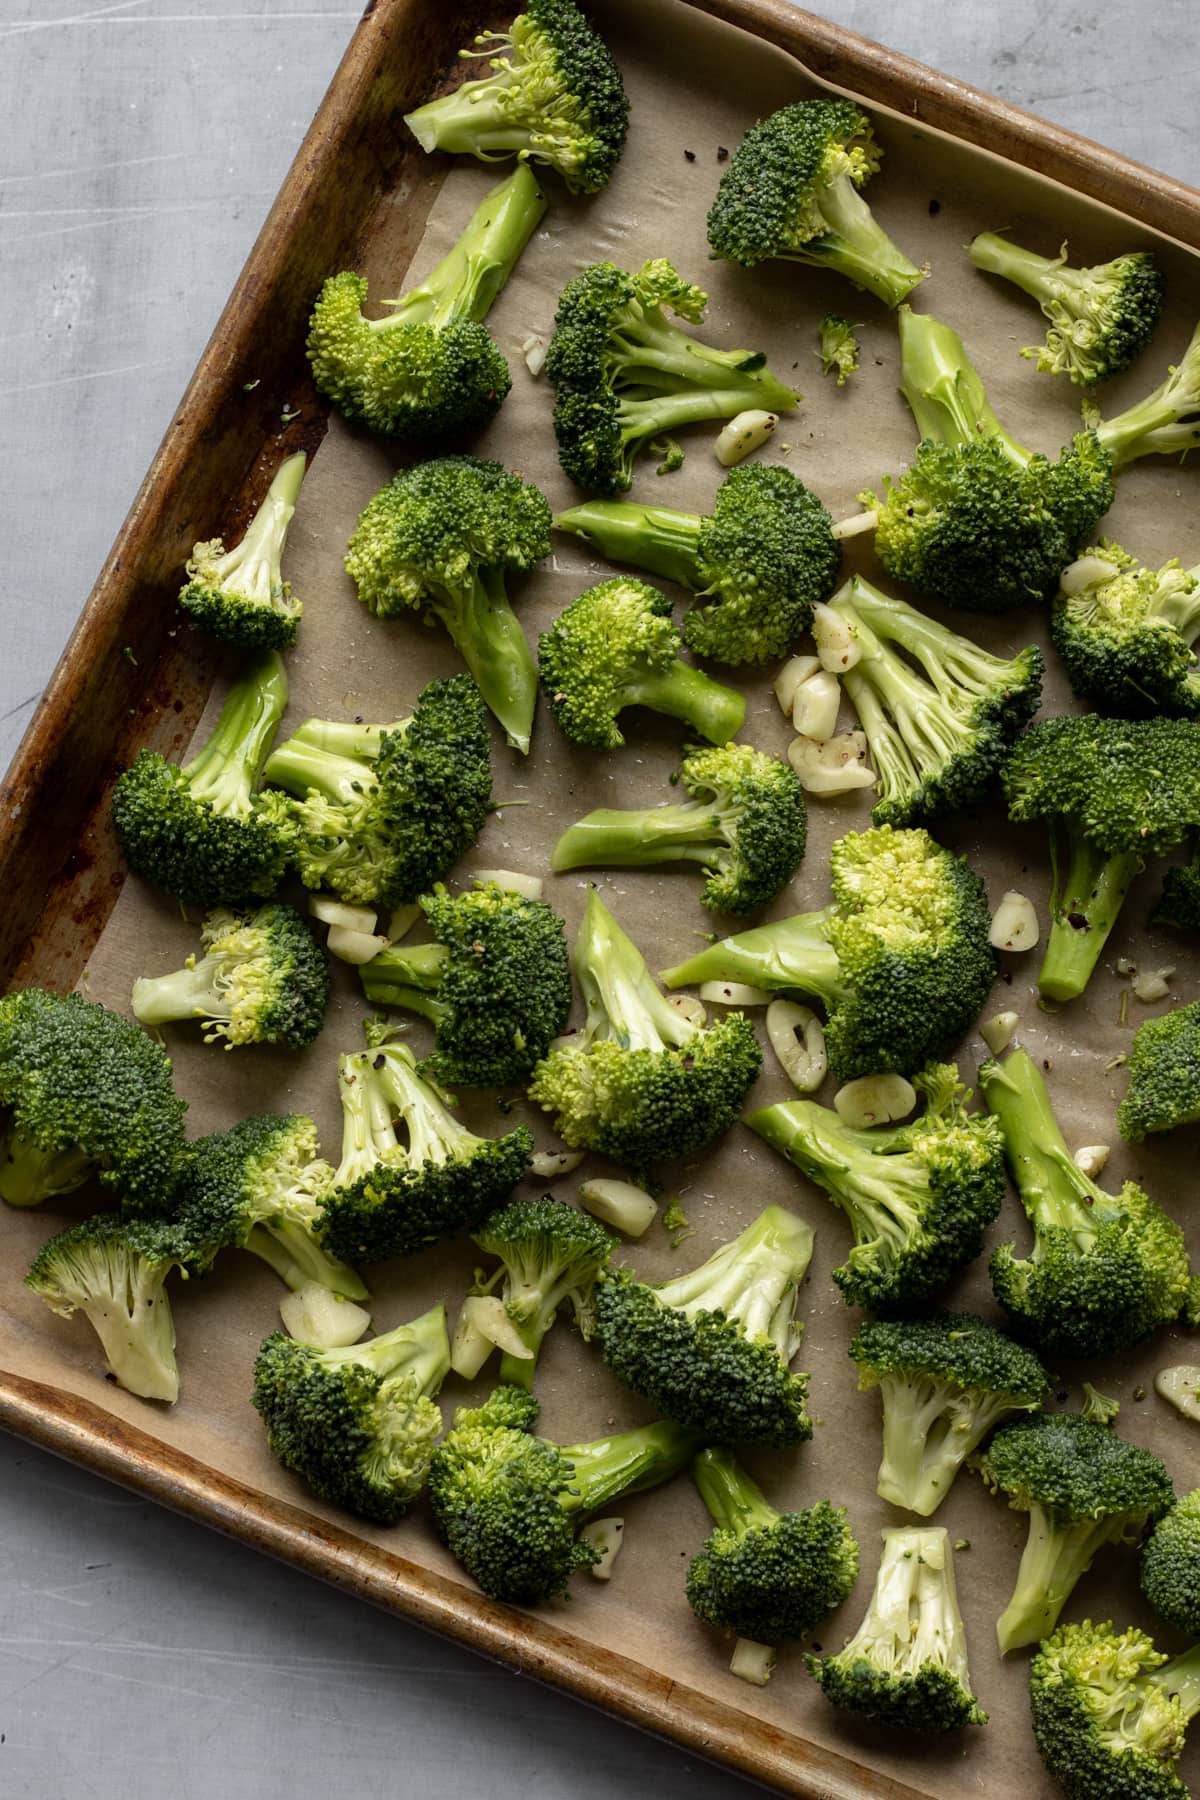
1091,1158
1014,924
620,1204
548,1165
528,886
816,706
834,767
998,1033
734,993
1181,1386
354,946
874,1100
837,645
802,1059
689,1007
605,1537
796,669
335,912
743,435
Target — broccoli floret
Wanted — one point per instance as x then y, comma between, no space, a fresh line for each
1114,793
379,812
764,1574
87,1093
440,539
1106,1270
388,1198
906,1665
201,831
918,1197
745,825
1164,1076
616,647
712,1348
1171,1566
757,563
1110,1713
552,94
976,521
496,983
1101,319
261,980
1166,422
114,1271
639,1082
260,1187
839,348
1179,902
1126,633
1101,1408
900,960
944,1383
940,714
240,595
624,375
507,1503
1083,1487
792,191
357,1425
550,1254
430,366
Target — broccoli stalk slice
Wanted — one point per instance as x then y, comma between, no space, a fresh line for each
408,977
607,1468
623,1002
735,1502
751,1280
488,635
227,770
1054,1190
1088,889
654,538
943,389
855,244
251,570
466,282
693,831
1058,1552
790,955
31,1172
1166,422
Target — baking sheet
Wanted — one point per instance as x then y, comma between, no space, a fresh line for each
932,196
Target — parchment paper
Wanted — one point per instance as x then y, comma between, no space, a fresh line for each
696,85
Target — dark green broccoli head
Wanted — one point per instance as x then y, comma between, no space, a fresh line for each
1164,1075
624,375
357,1425
262,980
792,191
745,825
918,1197
766,1575
616,647
969,527
1108,1717
906,1665
87,1093
388,1198
552,94
1124,784
1126,633
1074,1469
240,595
114,1271
201,831
1171,1566
711,1349
764,557
496,983
1179,902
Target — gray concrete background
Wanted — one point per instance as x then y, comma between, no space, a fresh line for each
141,142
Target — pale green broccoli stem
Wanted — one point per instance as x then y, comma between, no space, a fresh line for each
735,1502
1044,278
717,713
883,1196
482,118
1055,1557
490,641
644,339
297,1258
913,1617
467,281
31,1173
1177,604
951,662
693,831
928,1432
409,978
227,770
856,245
434,1135
357,743
1088,889
368,1129
925,730
1166,422
945,395
654,538
124,1299
301,768
623,1002
1182,1679
1055,1192
752,1280
792,955
625,1464
187,993
252,568
420,1350
666,413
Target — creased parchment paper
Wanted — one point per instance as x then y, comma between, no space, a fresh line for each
695,86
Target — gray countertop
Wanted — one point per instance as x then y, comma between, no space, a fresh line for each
141,142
